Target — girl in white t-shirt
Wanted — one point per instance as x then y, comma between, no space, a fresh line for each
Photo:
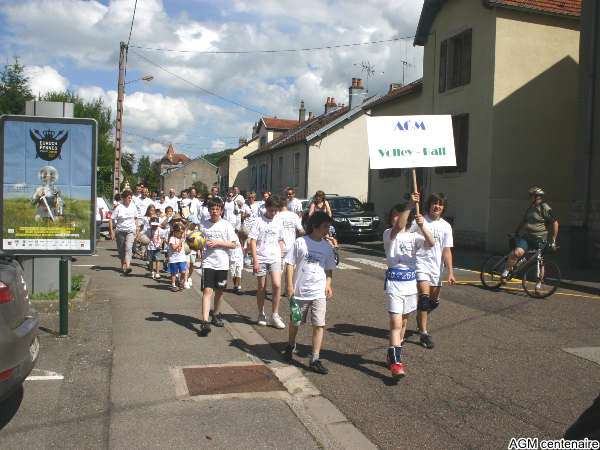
401,247
177,258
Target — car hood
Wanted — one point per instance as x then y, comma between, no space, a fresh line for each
347,214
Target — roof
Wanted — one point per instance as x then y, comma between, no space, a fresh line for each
279,124
414,87
562,8
182,166
174,158
300,132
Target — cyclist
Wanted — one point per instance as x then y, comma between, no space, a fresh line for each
532,231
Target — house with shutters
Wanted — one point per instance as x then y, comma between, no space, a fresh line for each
507,72
233,166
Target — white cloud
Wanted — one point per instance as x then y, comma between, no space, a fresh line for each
44,79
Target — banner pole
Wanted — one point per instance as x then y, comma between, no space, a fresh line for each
415,187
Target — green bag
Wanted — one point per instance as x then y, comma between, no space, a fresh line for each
295,312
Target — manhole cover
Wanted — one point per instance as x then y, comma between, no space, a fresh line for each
230,379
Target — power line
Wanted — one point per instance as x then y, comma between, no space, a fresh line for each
288,50
191,83
132,19
180,144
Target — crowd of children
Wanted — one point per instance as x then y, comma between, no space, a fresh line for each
270,235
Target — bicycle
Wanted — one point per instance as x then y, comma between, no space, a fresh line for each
540,276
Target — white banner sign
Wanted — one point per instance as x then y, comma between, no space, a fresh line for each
410,141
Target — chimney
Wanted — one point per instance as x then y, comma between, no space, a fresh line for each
242,141
330,105
356,93
310,115
301,112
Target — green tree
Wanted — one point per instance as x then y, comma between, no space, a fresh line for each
96,109
201,188
14,89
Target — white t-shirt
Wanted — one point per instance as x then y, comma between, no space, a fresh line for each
101,205
142,205
172,202
253,210
162,235
217,258
176,256
124,217
295,206
429,259
311,258
161,206
195,205
290,222
236,255
267,233
262,209
229,213
401,253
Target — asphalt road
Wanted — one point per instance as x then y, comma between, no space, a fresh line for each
498,369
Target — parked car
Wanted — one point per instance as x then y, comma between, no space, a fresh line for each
103,215
353,219
19,344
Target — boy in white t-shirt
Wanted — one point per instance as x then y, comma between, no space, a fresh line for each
266,247
292,228
236,262
401,248
220,239
313,259
431,262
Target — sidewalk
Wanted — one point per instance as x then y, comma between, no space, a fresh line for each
154,337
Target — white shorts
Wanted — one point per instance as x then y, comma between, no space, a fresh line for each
401,304
313,311
235,270
434,280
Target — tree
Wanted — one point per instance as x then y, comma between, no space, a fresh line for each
96,109
14,89
201,188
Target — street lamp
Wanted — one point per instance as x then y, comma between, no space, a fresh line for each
144,78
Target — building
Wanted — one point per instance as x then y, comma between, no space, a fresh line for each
233,166
179,172
327,152
269,128
507,72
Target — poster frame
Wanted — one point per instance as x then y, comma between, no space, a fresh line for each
54,120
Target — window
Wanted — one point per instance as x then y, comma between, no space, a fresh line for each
455,61
460,125
390,173
194,176
280,162
262,175
263,141
253,183
296,169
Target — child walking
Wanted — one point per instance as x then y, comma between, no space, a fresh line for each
236,262
177,258
157,236
401,248
313,261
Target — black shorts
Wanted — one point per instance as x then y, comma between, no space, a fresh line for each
214,279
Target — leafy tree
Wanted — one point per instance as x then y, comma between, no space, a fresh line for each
96,109
14,89
201,188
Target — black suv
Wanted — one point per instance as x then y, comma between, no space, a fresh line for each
353,219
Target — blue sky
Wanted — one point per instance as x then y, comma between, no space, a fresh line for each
74,44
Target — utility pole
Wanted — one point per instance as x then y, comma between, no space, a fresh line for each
119,123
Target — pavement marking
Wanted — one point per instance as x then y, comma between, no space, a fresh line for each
342,266
589,353
567,294
84,265
44,375
369,262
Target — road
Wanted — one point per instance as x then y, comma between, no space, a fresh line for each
499,368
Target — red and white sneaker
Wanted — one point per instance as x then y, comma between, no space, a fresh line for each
397,370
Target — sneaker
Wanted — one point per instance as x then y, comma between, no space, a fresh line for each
174,288
262,320
277,322
397,370
504,274
317,367
538,286
217,320
187,285
204,329
153,274
288,353
426,341
189,281
237,290
157,276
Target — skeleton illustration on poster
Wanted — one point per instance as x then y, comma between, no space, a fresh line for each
48,185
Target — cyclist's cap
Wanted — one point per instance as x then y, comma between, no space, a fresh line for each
536,190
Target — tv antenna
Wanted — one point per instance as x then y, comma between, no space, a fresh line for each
369,71
405,64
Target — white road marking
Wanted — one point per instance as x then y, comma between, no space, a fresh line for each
44,375
369,262
342,266
84,265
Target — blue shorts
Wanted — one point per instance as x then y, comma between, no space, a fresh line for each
178,267
528,244
155,255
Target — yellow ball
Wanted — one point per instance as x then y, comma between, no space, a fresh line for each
196,240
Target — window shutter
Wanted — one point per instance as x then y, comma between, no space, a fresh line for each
466,63
443,64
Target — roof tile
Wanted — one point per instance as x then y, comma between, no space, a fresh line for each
559,7
280,124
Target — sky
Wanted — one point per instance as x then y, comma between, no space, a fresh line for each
74,44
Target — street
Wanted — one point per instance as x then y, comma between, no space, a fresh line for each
498,369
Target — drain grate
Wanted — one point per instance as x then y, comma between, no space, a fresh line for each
230,379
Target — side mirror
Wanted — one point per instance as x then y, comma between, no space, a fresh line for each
369,206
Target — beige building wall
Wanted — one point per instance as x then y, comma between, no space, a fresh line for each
338,163
196,170
286,175
237,165
535,100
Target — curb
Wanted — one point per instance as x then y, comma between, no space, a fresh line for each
574,286
327,424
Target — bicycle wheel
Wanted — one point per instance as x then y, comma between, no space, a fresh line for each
491,271
541,279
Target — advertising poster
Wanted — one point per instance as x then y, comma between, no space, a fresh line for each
410,141
47,203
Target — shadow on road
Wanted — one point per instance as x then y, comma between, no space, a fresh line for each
10,406
179,319
348,329
587,425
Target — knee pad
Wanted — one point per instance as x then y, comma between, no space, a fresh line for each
425,303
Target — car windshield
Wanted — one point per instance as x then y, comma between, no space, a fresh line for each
345,204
